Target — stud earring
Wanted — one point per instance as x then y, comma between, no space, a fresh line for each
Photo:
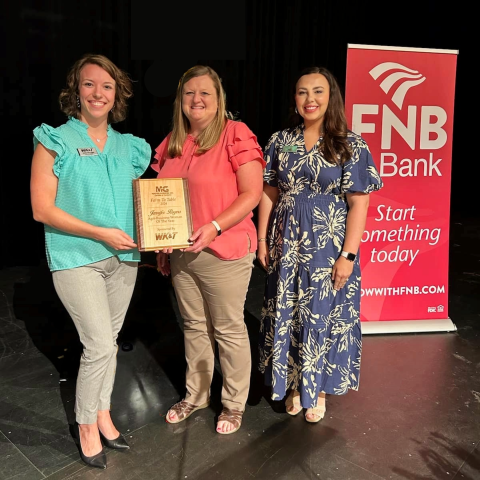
296,111
78,103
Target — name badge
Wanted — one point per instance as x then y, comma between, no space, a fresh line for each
289,149
87,152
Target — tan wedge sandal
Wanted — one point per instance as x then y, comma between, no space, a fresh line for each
292,403
318,412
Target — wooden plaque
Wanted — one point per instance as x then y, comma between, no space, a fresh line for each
162,213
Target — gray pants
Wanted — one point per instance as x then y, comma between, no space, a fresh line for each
97,297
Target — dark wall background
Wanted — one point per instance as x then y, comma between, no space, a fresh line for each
255,46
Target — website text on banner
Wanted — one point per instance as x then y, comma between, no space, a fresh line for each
401,102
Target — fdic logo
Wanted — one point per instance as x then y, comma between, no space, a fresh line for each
411,78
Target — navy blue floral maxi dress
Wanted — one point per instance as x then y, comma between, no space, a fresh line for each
310,336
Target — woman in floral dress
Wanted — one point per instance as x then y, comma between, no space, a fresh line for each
311,219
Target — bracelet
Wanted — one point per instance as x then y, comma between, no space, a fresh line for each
261,239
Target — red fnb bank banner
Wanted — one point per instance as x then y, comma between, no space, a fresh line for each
401,102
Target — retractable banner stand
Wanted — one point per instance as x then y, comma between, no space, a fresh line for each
400,100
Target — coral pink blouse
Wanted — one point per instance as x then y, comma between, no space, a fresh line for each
212,183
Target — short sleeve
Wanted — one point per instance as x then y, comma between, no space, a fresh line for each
141,154
270,171
161,153
242,146
360,173
50,138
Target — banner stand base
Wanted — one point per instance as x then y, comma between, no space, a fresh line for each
408,326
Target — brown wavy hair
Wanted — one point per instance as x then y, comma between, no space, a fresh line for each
210,136
335,147
123,87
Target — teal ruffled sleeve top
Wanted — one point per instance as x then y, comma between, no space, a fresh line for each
93,186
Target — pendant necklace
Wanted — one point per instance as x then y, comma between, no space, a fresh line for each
99,139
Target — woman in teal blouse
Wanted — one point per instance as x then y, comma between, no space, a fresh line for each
81,190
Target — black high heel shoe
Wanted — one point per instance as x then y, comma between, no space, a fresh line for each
98,461
118,443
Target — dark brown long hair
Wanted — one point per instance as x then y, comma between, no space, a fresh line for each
334,147
123,87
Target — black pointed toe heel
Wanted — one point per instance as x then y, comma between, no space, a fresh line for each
98,460
118,443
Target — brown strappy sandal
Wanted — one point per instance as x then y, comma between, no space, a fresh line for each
292,403
183,410
232,416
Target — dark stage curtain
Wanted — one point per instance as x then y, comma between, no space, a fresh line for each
41,40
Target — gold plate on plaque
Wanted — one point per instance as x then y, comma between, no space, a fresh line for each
162,213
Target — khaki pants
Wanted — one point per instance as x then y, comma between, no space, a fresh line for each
211,296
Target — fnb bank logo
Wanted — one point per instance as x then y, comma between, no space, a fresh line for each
400,77
421,127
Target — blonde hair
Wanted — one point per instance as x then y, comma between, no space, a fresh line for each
210,136
123,87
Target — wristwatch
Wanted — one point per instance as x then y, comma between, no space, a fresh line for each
217,226
349,256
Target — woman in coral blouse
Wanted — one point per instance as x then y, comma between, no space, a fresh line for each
223,164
